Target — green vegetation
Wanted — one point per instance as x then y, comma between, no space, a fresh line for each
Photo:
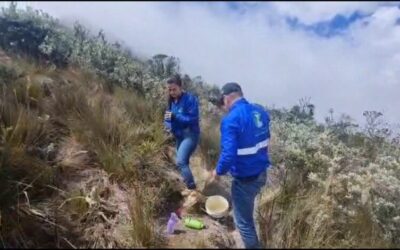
73,104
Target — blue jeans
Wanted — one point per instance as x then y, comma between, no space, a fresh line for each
185,147
243,197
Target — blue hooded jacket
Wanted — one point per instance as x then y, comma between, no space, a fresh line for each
244,140
185,115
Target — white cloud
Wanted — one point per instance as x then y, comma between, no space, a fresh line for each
274,64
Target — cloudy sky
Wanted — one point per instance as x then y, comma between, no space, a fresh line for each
343,55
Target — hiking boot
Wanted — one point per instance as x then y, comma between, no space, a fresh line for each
193,198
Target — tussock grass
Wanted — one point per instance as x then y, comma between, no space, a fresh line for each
144,231
313,218
116,130
209,145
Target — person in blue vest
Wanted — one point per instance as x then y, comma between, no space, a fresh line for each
182,120
244,153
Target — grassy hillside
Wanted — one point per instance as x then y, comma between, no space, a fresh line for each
84,160
338,187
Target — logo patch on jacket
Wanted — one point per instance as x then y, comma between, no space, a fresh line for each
257,119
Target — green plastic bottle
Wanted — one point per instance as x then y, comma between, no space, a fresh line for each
193,223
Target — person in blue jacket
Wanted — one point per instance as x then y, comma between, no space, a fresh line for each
244,153
182,120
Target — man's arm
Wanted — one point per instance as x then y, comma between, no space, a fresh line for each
228,146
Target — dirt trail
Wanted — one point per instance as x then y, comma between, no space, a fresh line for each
219,233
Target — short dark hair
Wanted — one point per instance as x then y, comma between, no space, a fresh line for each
175,79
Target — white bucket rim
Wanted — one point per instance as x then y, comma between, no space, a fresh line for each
217,214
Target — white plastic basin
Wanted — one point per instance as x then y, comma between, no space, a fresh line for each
217,206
